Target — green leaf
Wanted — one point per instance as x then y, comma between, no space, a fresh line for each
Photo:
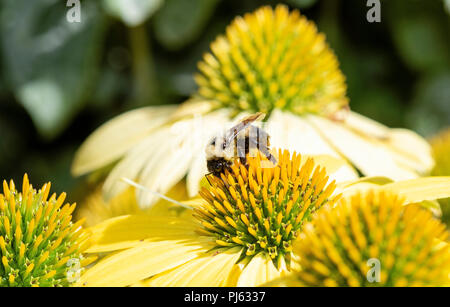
180,21
49,63
302,3
132,12
420,33
430,111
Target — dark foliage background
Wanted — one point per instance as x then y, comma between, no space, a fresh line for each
60,81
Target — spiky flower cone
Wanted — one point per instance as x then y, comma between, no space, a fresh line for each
273,58
373,240
262,208
39,244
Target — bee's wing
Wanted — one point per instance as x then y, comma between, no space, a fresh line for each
234,131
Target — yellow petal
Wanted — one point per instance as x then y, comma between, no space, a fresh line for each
130,230
210,270
114,138
140,262
285,281
258,271
376,180
420,189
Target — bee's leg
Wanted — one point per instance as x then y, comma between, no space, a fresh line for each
207,178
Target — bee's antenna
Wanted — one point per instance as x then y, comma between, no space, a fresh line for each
141,187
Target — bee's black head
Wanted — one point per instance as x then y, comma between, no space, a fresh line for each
217,166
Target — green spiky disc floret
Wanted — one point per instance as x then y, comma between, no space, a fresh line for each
262,209
39,244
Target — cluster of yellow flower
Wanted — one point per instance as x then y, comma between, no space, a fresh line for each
347,203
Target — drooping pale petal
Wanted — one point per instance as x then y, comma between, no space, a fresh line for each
130,230
289,131
166,167
114,138
369,157
132,164
209,270
140,262
196,172
406,146
365,125
186,142
258,271
411,150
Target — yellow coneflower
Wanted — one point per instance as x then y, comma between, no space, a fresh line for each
441,153
243,236
39,244
243,229
372,239
272,61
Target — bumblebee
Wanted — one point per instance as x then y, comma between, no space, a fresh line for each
236,143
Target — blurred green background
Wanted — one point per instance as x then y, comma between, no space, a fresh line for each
59,81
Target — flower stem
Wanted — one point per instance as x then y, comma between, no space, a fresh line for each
145,81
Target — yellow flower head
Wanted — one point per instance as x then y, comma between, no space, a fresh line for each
373,240
39,245
263,209
273,58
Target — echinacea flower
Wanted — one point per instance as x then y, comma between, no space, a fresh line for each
39,244
249,216
441,153
242,233
272,61
372,239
